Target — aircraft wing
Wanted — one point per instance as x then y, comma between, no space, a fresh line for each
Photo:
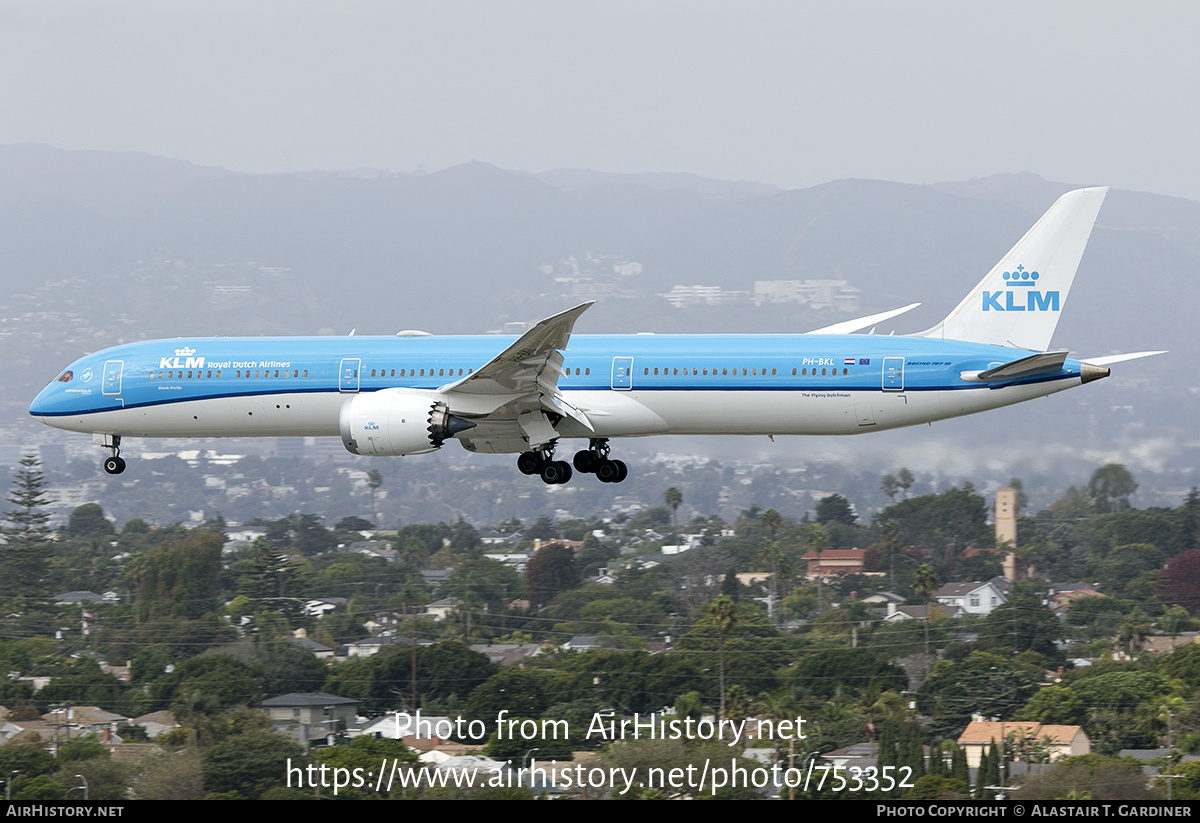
528,370
851,326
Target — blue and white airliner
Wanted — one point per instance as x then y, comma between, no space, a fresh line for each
413,392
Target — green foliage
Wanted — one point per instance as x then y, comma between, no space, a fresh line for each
28,758
1021,624
945,524
521,692
249,763
1054,705
444,670
1182,663
935,787
983,683
1110,488
82,683
549,572
366,754
826,672
88,521
25,563
1092,776
180,579
753,652
835,509
82,748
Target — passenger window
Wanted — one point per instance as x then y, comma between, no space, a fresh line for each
587,371
793,372
822,372
845,372
218,374
306,372
772,372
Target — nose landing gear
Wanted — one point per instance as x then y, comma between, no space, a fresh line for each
114,464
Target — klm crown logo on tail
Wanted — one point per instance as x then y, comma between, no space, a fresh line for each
1026,297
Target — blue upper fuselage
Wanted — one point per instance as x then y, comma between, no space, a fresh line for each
171,371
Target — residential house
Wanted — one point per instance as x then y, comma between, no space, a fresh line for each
1023,740
309,715
975,598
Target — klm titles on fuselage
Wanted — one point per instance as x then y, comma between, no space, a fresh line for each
185,359
1022,281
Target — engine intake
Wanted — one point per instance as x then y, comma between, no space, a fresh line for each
397,422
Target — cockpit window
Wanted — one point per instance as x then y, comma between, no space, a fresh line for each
66,376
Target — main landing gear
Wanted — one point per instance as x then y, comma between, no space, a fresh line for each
114,464
553,472
592,460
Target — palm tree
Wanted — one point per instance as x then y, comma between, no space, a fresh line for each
374,481
926,583
723,613
674,499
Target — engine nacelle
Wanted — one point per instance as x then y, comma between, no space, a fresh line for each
396,422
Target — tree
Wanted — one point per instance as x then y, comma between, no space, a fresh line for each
835,509
27,536
1110,488
1177,581
249,763
549,572
673,497
88,521
374,481
723,614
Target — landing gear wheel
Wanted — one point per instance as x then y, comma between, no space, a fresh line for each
114,465
622,471
556,472
530,463
607,471
585,461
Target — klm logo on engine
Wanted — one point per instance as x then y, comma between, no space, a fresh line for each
1021,295
184,359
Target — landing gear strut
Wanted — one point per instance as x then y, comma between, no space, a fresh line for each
114,464
595,460
541,462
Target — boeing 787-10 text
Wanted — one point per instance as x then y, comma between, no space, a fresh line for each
413,392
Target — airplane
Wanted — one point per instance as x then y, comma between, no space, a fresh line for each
413,392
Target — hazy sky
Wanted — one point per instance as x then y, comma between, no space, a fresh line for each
789,93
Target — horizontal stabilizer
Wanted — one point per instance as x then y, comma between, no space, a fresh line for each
851,326
1044,363
1108,360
